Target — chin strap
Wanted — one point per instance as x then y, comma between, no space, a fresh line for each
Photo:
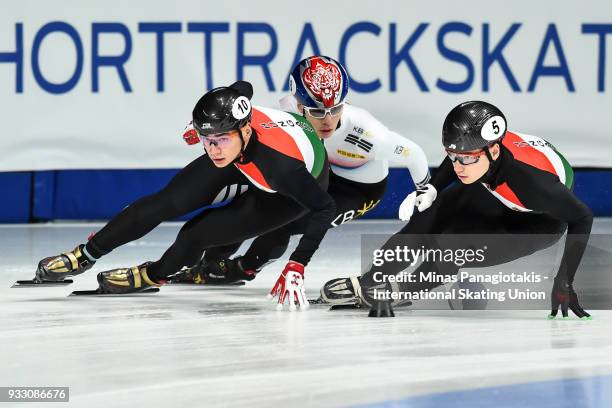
242,144
492,164
488,154
240,157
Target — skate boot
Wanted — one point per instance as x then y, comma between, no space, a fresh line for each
347,292
126,280
344,292
57,268
215,272
188,275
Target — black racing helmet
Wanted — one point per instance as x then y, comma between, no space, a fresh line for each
223,109
473,125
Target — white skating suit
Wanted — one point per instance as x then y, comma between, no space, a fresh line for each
361,148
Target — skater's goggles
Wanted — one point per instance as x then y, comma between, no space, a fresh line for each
464,158
320,113
221,140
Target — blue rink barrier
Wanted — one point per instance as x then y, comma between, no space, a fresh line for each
16,193
100,194
593,392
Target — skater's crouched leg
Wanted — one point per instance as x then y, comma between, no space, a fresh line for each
186,249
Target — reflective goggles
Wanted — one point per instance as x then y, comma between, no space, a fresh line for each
221,140
464,158
320,113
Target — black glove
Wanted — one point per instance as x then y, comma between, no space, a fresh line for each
563,295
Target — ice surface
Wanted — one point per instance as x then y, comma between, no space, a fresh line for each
206,346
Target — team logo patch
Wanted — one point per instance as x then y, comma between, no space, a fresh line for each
401,150
323,80
527,143
349,154
355,140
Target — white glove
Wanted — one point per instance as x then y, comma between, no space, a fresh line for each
290,286
422,199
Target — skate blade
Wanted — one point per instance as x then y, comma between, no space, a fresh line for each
320,302
216,285
97,292
345,307
37,284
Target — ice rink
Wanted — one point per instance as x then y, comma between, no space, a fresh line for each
207,347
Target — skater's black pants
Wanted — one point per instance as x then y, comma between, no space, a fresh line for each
251,214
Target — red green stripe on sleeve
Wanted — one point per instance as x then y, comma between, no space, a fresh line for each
317,145
522,151
275,137
569,172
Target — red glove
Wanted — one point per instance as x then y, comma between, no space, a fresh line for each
190,135
290,285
